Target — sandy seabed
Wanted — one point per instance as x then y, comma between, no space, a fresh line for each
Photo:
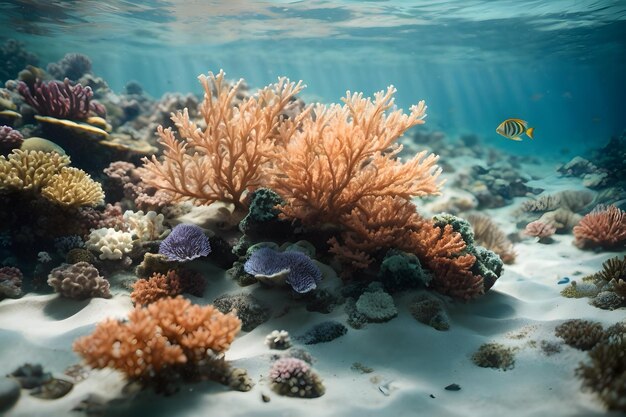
411,362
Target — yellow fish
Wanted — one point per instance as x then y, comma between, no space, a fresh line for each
514,128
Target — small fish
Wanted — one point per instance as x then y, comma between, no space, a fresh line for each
514,128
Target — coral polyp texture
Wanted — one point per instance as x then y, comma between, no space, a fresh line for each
110,243
47,174
146,291
79,281
295,378
9,139
58,99
604,227
290,267
185,243
166,334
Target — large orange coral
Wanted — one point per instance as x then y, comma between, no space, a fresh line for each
348,153
166,333
221,161
604,227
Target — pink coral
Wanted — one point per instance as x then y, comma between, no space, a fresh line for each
540,229
604,227
10,282
9,139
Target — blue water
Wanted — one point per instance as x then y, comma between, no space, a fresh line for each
558,64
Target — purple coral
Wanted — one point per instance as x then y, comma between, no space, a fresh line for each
184,243
302,274
59,99
295,378
78,281
9,139
72,66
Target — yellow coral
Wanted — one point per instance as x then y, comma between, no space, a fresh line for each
30,170
73,187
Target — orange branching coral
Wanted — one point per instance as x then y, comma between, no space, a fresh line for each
604,227
221,161
348,153
442,251
147,291
167,333
377,223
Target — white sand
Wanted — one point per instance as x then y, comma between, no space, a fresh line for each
413,360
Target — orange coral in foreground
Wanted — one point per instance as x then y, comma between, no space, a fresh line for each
168,332
221,161
348,153
604,227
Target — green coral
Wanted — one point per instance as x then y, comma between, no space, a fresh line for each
488,264
262,211
401,271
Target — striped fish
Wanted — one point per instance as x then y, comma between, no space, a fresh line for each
514,128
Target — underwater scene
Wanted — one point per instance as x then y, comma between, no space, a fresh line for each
303,208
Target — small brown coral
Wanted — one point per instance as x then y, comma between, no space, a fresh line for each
167,333
147,291
604,227
580,334
10,282
78,281
488,235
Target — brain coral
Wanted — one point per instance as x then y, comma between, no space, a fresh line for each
377,306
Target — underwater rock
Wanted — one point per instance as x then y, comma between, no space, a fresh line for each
401,271
31,376
249,310
324,332
53,389
453,387
322,301
9,393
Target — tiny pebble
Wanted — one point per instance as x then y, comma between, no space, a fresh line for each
265,398
563,280
453,387
432,396
384,389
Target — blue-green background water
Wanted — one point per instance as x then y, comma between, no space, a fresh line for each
558,64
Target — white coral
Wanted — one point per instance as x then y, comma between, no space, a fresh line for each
278,339
110,243
145,227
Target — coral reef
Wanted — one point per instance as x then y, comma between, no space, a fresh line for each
249,310
494,355
9,139
60,100
401,271
324,332
542,231
14,58
231,154
10,282
145,227
604,227
73,187
110,243
278,339
488,235
604,373
72,66
376,306
147,291
185,243
580,334
159,339
295,378
78,281
275,268
430,310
